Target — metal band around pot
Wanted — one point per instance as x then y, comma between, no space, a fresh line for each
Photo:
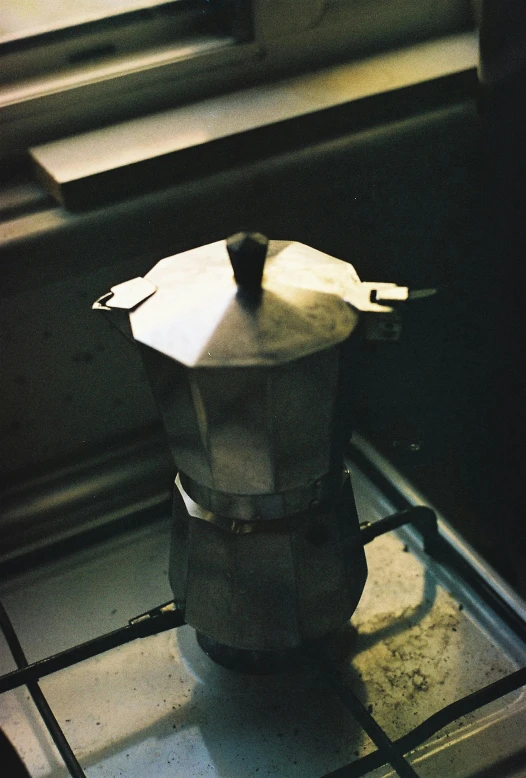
261,507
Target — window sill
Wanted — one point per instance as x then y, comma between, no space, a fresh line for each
131,157
87,95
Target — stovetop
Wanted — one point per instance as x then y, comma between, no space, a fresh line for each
421,638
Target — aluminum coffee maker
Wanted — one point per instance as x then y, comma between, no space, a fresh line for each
246,346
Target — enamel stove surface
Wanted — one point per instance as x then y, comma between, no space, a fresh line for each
161,707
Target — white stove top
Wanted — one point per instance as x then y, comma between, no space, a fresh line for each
159,707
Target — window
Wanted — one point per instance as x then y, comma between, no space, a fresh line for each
63,74
29,19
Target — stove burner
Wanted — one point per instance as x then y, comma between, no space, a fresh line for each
319,658
336,647
243,660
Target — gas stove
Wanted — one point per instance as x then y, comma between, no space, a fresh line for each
432,655
267,642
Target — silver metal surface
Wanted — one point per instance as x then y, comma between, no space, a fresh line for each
197,317
127,295
191,310
266,585
252,431
250,383
161,707
248,386
260,507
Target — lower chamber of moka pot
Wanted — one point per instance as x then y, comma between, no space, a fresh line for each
261,595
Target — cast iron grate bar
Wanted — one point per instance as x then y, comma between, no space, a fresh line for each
151,623
40,701
388,751
422,518
430,726
439,547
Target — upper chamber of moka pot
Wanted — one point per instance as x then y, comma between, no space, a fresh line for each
243,341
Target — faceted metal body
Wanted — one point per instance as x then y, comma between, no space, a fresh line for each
246,353
249,431
268,585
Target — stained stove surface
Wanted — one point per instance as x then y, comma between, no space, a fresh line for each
420,639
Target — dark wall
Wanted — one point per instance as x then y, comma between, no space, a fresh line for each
402,202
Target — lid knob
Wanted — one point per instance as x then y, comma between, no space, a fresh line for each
247,252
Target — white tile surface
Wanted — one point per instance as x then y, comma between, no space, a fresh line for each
160,707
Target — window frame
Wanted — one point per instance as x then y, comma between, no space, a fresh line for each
91,94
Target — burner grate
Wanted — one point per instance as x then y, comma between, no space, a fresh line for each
166,617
